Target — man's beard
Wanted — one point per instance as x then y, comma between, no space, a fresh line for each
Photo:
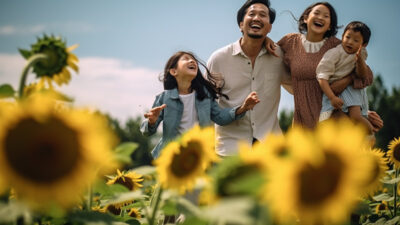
255,36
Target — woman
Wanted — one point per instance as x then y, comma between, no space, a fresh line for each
302,53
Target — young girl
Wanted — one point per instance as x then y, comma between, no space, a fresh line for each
188,98
339,62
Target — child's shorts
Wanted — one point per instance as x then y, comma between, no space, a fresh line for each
350,97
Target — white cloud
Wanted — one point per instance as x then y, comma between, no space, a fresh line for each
69,27
111,85
21,30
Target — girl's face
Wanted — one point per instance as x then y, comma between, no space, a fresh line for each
186,68
352,41
318,20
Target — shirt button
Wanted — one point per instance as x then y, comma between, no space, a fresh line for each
253,78
248,63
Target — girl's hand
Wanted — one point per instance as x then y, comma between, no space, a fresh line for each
152,116
375,121
336,102
270,46
249,103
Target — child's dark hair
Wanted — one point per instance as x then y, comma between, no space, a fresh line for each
361,27
333,26
242,11
198,83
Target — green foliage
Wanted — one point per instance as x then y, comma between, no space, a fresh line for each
387,105
7,91
123,152
285,120
130,132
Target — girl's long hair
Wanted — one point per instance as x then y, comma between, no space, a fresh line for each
212,83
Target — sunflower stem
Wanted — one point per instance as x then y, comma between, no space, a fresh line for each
31,61
395,194
146,211
158,200
90,198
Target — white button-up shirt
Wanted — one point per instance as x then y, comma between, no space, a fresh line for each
241,78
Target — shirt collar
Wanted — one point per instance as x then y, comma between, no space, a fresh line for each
173,93
237,49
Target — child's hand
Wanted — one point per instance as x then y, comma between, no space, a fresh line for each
270,46
361,66
249,103
336,102
152,116
359,59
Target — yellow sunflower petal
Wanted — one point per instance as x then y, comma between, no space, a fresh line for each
182,162
72,57
72,47
74,66
49,154
394,152
322,191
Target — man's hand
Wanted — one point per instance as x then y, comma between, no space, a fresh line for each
154,113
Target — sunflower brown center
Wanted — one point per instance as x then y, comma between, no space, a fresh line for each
282,151
187,160
127,183
114,210
319,183
42,152
396,152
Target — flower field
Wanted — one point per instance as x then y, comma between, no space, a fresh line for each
60,164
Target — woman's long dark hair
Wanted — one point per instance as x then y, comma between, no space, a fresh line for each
198,83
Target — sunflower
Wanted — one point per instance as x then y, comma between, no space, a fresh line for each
186,159
50,154
256,156
394,152
324,189
130,180
381,207
378,163
112,209
55,66
134,212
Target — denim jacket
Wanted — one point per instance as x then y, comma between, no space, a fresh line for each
208,111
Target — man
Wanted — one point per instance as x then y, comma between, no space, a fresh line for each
246,66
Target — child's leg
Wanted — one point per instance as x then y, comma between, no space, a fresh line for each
337,114
355,114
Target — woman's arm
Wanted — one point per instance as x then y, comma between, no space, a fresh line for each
339,85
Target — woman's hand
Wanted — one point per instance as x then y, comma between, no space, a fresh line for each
152,116
375,120
270,46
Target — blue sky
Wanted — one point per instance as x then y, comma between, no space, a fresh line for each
123,45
